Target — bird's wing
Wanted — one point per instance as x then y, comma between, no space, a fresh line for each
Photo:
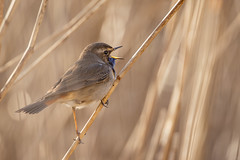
80,76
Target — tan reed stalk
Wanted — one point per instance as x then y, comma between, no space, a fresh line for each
7,17
173,110
205,56
1,19
156,134
28,52
10,63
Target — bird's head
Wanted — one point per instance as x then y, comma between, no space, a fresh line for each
103,51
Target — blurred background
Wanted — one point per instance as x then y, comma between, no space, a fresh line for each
179,101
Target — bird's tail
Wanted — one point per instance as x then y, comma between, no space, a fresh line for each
35,107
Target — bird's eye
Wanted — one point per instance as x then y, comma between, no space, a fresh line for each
106,52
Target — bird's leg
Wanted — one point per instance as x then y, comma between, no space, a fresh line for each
75,121
105,104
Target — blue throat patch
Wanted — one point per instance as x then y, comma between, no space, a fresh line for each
112,62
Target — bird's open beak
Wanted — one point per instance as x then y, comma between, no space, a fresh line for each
115,56
117,47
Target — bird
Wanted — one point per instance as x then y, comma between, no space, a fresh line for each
86,81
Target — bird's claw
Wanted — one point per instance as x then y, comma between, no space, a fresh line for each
105,104
78,139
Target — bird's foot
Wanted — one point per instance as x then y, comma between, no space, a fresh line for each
79,140
105,104
78,137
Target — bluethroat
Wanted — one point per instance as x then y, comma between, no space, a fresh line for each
88,80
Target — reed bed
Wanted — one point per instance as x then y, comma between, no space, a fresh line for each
180,100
